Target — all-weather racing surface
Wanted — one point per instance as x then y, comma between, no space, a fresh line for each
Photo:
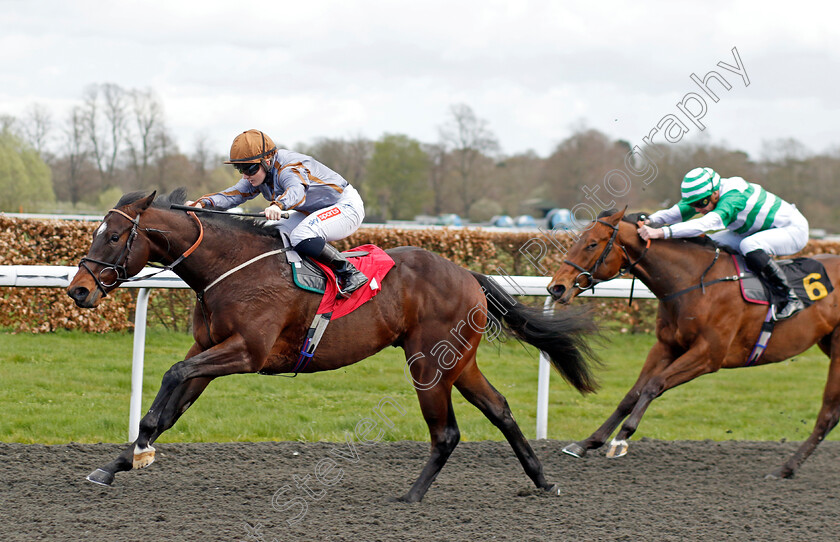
682,490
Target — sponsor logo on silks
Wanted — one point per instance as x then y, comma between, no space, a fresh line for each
329,214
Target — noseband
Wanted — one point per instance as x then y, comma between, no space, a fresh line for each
118,267
588,274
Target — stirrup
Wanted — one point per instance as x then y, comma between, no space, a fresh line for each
791,307
350,285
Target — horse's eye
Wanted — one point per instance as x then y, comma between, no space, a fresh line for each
592,245
115,237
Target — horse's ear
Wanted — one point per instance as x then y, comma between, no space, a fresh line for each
143,204
616,217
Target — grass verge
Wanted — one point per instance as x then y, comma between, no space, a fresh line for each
74,387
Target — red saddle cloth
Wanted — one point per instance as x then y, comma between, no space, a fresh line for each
375,265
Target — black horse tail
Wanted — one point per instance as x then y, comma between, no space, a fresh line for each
562,336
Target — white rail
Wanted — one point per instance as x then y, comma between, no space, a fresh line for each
39,276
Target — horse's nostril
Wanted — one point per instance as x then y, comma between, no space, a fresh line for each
79,293
556,290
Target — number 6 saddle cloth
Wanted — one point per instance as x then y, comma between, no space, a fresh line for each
806,275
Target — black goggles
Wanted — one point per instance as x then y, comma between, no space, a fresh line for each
247,169
699,204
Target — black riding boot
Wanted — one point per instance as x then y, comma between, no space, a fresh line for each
773,274
350,279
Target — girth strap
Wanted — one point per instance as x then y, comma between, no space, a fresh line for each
763,337
702,284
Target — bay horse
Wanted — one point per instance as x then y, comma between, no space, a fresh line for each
699,330
257,320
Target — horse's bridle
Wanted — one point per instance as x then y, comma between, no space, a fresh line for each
621,272
118,267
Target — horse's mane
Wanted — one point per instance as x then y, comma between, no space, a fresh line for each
178,196
703,242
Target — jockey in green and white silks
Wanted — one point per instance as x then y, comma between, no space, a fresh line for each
746,218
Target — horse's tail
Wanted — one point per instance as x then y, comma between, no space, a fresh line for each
562,336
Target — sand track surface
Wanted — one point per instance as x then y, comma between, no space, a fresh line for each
684,490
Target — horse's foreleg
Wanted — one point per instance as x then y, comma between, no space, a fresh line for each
826,419
685,368
474,386
182,397
173,398
657,360
140,453
443,429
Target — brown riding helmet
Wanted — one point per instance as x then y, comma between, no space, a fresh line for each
251,147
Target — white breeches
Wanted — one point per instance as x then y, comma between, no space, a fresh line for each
788,236
330,223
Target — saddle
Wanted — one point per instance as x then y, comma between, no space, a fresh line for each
808,279
806,275
309,276
315,277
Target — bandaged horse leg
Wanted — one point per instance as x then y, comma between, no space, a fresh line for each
176,393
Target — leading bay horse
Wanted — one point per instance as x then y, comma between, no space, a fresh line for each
256,321
698,330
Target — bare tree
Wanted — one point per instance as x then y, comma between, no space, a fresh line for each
575,172
148,120
438,167
349,158
472,143
8,124
106,124
76,153
36,127
515,184
202,155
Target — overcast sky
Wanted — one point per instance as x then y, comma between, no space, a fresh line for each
535,70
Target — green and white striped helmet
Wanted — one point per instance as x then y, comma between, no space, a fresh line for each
699,183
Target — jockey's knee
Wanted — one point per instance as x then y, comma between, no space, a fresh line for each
756,259
311,246
750,244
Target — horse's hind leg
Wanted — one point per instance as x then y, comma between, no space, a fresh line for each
477,390
829,412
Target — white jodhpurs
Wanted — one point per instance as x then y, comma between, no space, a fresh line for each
788,235
330,223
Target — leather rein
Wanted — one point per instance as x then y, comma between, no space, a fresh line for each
118,267
588,273
623,271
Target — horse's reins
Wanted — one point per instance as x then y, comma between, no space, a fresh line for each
621,272
703,284
593,281
118,267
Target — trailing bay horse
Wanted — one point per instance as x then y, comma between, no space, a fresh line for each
698,330
256,321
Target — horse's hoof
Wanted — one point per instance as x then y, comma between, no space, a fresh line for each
553,490
101,477
779,474
143,457
575,450
618,448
